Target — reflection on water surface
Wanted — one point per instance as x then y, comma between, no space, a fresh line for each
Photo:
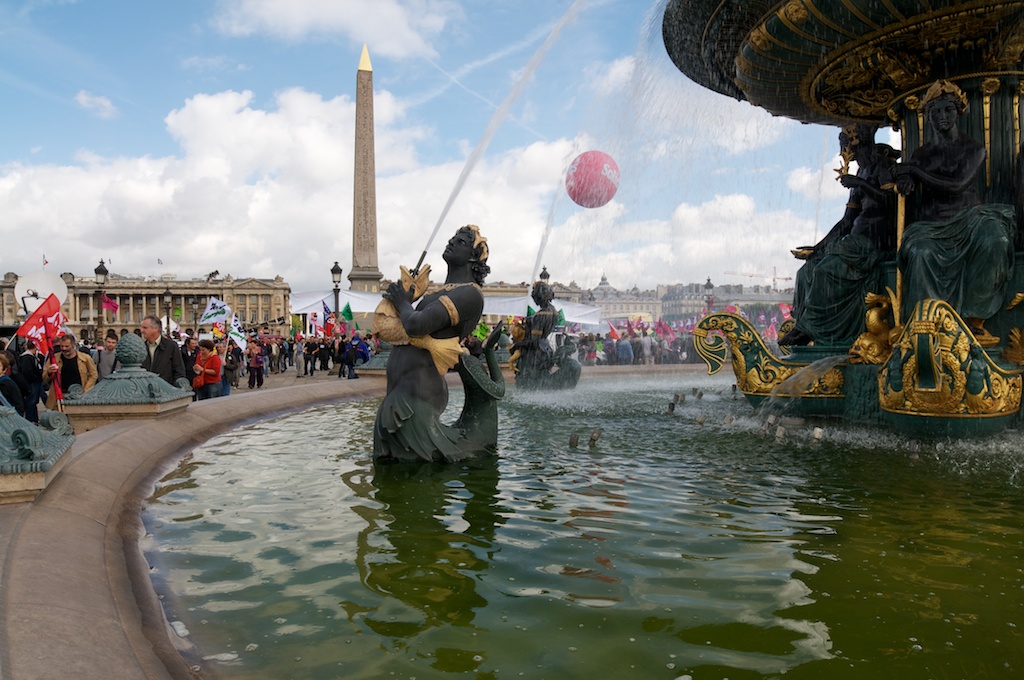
670,550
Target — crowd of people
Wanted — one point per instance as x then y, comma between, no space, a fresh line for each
643,348
213,366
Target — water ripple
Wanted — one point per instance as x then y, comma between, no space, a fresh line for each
670,548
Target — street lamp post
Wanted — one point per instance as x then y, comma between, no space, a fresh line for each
709,290
167,309
336,277
101,273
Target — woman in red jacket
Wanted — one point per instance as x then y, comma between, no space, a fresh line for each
207,371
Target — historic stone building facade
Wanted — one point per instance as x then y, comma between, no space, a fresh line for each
262,304
623,304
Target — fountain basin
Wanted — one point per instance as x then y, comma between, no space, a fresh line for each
684,543
73,581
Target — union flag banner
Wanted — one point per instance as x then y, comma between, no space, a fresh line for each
44,325
216,310
329,320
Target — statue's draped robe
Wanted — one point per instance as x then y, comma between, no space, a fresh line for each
960,251
830,289
966,261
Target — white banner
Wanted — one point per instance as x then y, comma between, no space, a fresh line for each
237,333
216,311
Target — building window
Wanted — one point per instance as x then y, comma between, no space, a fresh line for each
252,316
253,299
266,315
266,300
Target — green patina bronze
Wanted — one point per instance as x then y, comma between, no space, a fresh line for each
130,384
536,365
943,274
26,447
428,340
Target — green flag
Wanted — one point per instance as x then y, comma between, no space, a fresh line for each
530,311
561,318
357,326
482,331
347,313
177,313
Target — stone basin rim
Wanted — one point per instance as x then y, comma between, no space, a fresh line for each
104,619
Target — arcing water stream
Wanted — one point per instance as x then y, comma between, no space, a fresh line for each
499,116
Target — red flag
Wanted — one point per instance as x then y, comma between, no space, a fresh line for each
787,311
771,333
44,325
612,332
667,332
109,304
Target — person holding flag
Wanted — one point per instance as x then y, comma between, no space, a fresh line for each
329,321
70,367
30,368
346,314
42,327
44,324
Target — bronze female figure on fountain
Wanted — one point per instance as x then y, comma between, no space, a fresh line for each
959,249
426,341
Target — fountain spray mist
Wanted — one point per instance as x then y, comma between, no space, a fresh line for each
499,116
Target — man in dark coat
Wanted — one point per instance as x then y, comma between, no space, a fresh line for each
162,356
30,367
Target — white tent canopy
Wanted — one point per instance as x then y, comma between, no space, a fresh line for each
314,301
517,306
366,303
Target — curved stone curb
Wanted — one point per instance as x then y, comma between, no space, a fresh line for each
76,600
75,596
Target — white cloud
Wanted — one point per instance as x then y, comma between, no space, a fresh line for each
727,233
820,183
395,29
611,79
101,106
267,191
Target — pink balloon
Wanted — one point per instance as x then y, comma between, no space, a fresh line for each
592,179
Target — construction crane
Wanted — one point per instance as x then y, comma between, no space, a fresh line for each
774,276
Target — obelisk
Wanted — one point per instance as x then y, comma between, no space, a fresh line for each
364,274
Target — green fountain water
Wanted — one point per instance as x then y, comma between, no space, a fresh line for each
668,550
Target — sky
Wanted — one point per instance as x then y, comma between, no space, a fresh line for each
191,136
